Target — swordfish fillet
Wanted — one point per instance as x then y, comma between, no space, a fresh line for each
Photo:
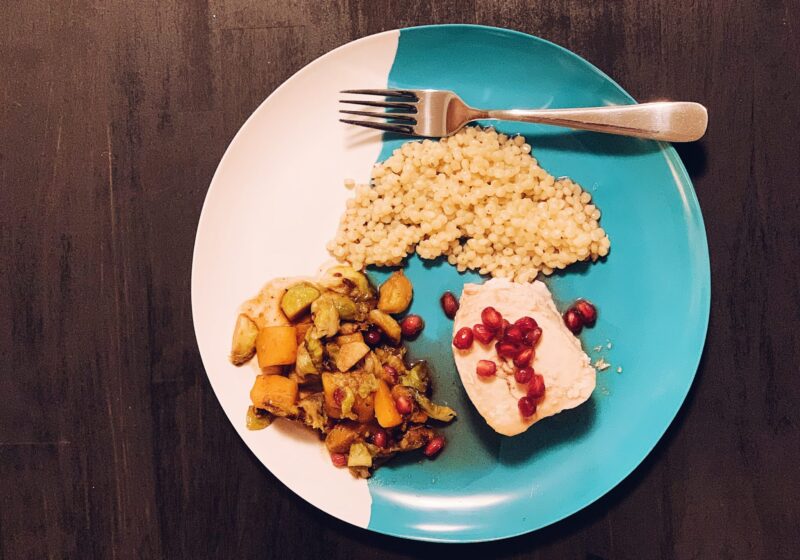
568,374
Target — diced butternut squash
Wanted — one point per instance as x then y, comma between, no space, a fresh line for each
385,409
349,355
341,437
328,388
276,346
275,393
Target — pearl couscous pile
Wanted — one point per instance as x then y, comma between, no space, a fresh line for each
479,198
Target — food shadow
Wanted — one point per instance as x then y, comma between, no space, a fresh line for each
552,432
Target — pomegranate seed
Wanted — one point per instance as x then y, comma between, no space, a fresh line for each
338,396
492,318
411,326
339,460
449,304
372,337
507,350
532,337
573,320
527,406
482,333
501,333
403,405
391,374
526,324
524,358
536,387
523,375
463,338
434,447
486,368
513,334
380,438
587,311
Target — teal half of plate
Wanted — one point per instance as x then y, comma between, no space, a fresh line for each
653,295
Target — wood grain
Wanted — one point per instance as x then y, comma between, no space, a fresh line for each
114,115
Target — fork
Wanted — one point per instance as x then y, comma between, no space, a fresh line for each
436,113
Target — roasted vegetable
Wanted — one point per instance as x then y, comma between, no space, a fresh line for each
384,322
326,318
304,364
312,411
345,306
385,409
417,377
343,339
257,419
331,359
345,280
414,438
395,293
350,354
359,455
314,347
341,437
301,330
349,395
276,346
243,346
275,393
436,411
298,299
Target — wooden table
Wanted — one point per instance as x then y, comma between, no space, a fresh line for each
114,116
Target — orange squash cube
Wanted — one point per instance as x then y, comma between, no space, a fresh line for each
276,346
275,393
385,409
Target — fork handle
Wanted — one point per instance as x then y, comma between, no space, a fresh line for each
671,121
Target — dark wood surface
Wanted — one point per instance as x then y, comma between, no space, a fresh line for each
114,116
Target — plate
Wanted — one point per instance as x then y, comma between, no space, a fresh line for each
276,199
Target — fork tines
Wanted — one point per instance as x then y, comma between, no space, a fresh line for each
399,114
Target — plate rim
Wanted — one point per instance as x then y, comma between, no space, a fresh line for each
702,259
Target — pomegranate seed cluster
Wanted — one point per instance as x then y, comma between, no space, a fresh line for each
479,198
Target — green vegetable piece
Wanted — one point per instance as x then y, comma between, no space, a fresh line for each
367,385
257,419
436,411
326,318
345,280
345,306
312,411
417,377
347,404
304,364
359,456
314,347
297,299
243,345
387,324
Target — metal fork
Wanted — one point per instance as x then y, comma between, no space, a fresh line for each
436,113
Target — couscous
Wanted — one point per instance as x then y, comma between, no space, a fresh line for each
480,199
